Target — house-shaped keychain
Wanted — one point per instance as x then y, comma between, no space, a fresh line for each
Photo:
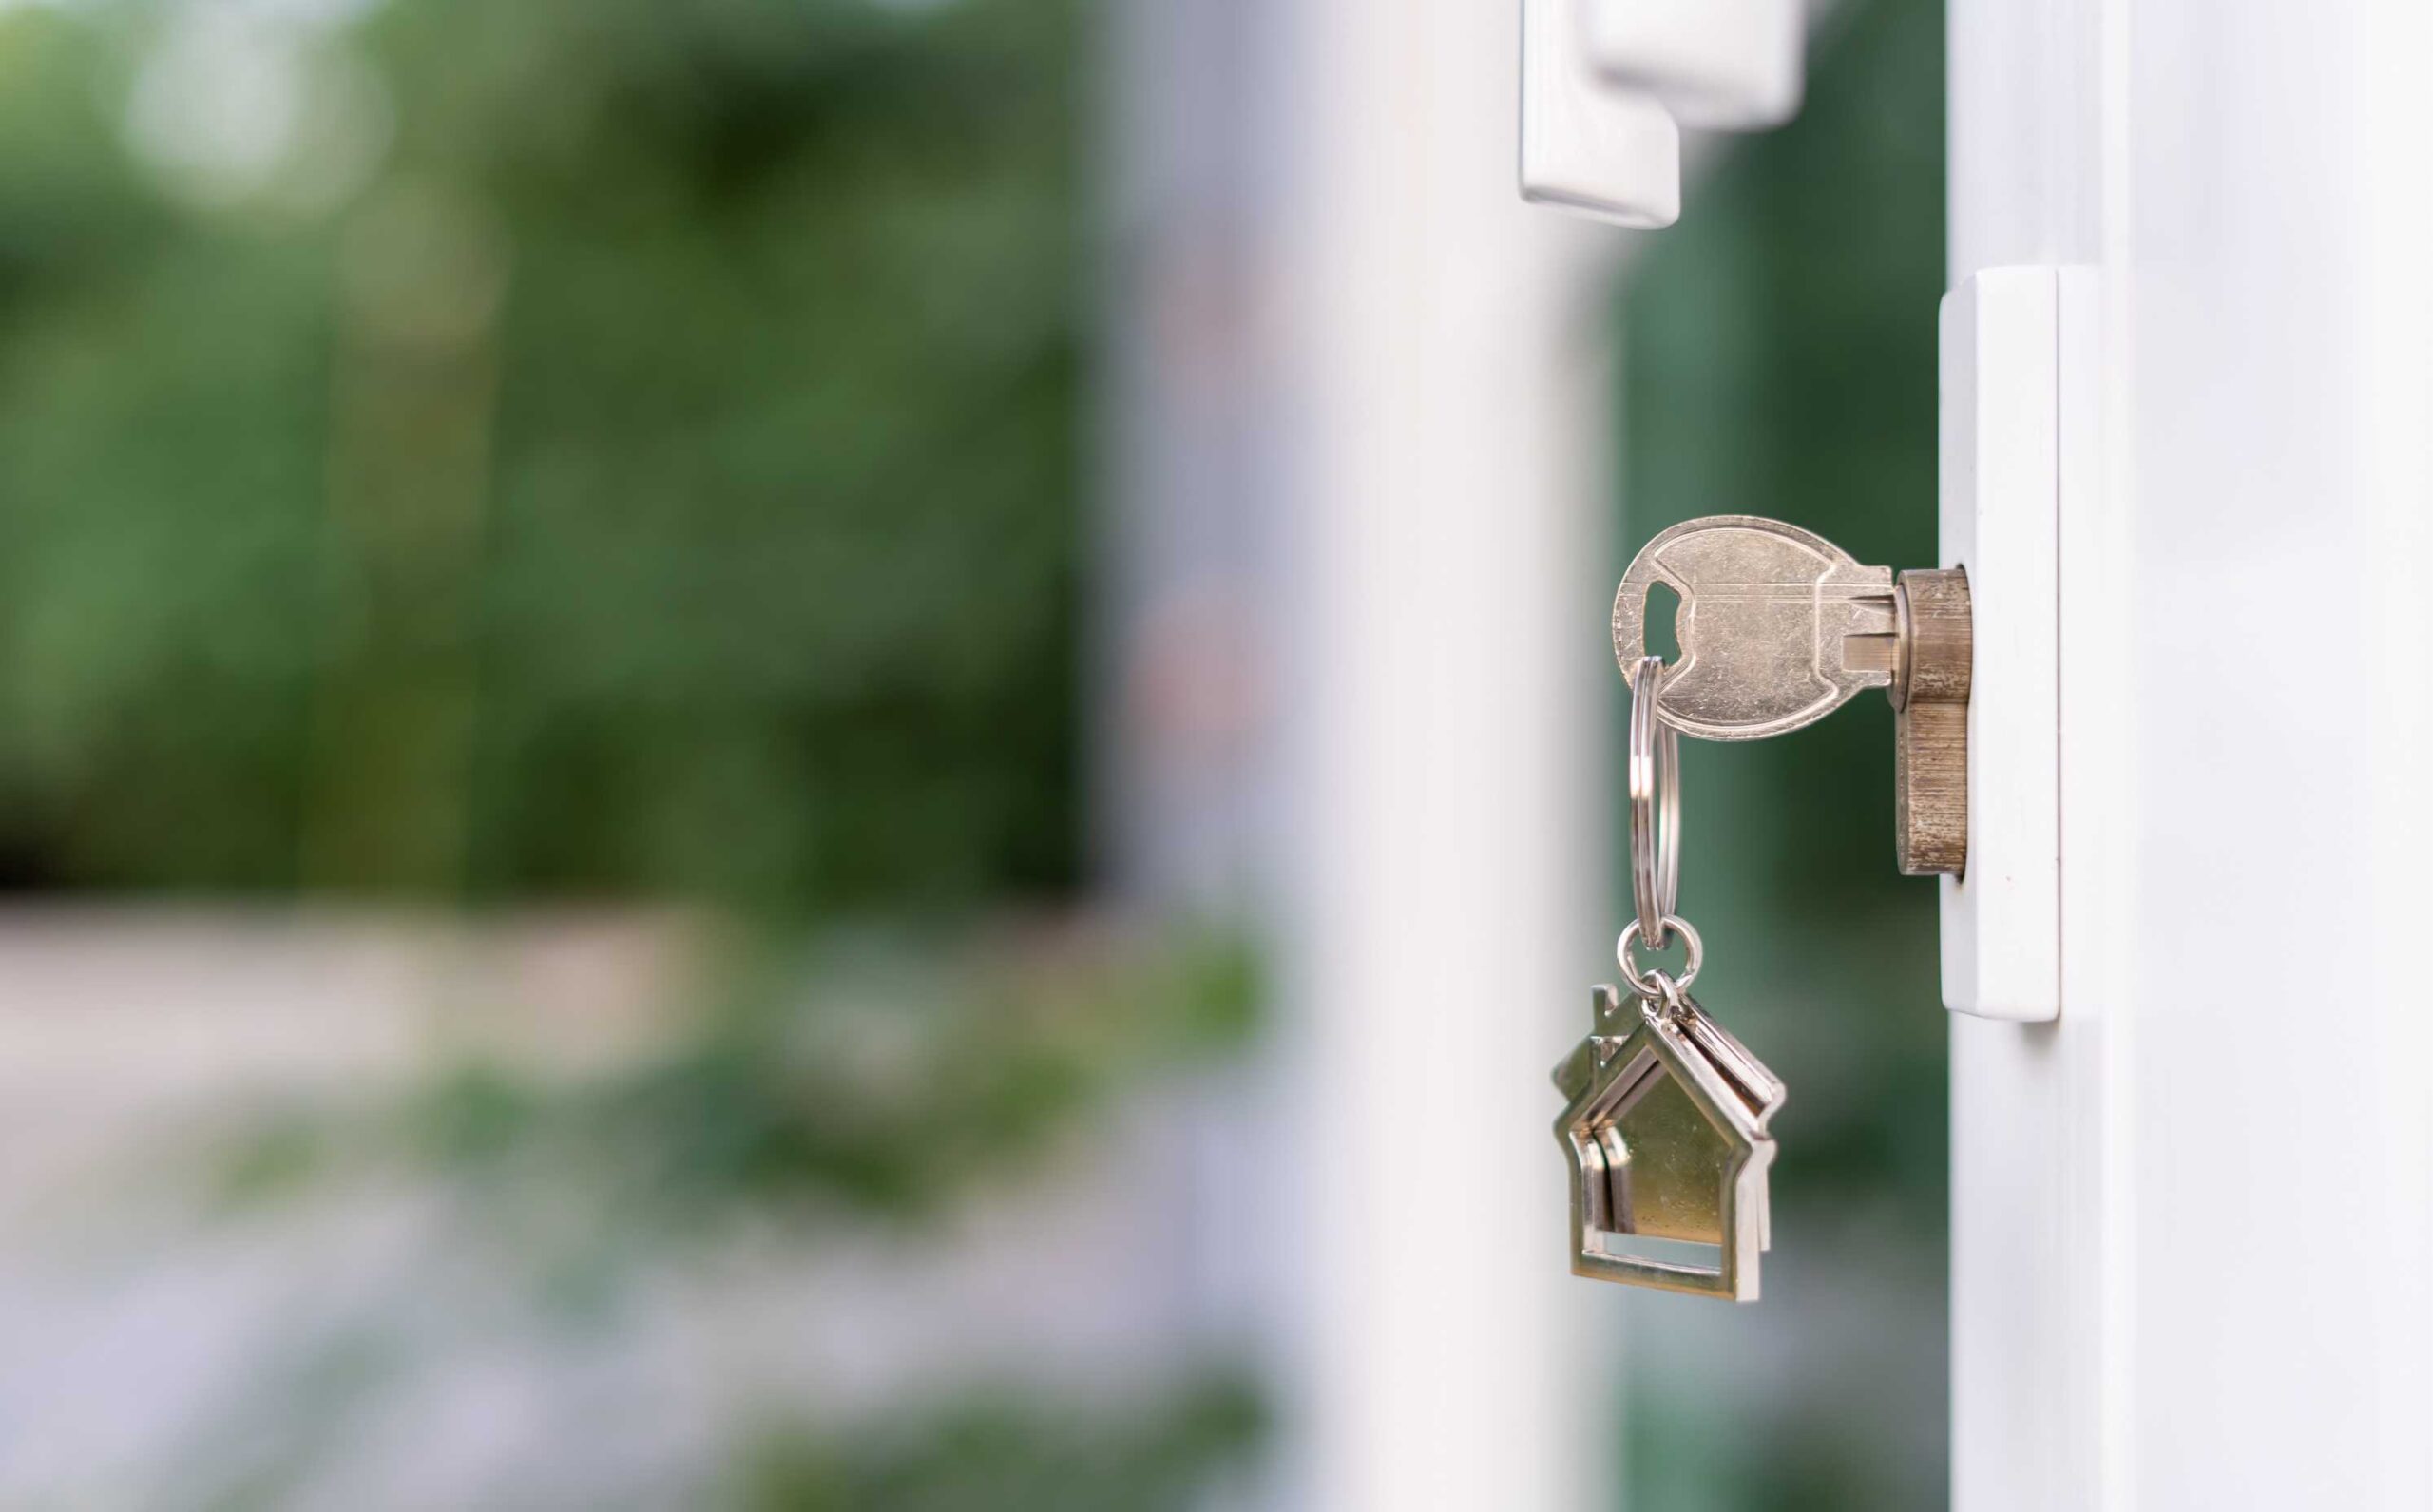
1665,1132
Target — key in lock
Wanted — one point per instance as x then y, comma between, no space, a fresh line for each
1778,628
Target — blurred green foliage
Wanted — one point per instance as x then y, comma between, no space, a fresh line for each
1156,1447
1155,1457
809,1089
859,1089
1781,360
457,453
614,447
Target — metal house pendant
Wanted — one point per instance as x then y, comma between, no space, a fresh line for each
1665,1132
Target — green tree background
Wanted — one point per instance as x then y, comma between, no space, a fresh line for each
655,477
593,450
1780,347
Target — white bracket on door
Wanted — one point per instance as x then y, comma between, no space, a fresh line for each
1726,65
1587,144
2018,393
1607,84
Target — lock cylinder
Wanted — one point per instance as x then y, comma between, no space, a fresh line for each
1931,671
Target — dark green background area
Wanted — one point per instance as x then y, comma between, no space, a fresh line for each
1780,358
734,558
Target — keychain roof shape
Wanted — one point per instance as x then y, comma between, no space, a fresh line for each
1665,1134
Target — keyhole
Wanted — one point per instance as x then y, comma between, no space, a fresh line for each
1663,635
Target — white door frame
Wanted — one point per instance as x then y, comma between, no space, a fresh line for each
2190,1219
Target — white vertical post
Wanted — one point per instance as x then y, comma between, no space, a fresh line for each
2191,1218
1357,574
1446,717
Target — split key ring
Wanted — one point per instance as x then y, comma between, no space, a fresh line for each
1655,808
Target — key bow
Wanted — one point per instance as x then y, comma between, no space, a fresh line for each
1778,626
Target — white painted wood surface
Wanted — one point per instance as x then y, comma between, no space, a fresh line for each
2002,399
2191,1218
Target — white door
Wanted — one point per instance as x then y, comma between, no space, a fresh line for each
2190,1243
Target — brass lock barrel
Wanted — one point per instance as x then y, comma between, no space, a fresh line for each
1930,681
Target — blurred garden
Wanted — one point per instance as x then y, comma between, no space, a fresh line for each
460,451
489,484
460,459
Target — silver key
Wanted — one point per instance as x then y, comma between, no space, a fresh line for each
1778,626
